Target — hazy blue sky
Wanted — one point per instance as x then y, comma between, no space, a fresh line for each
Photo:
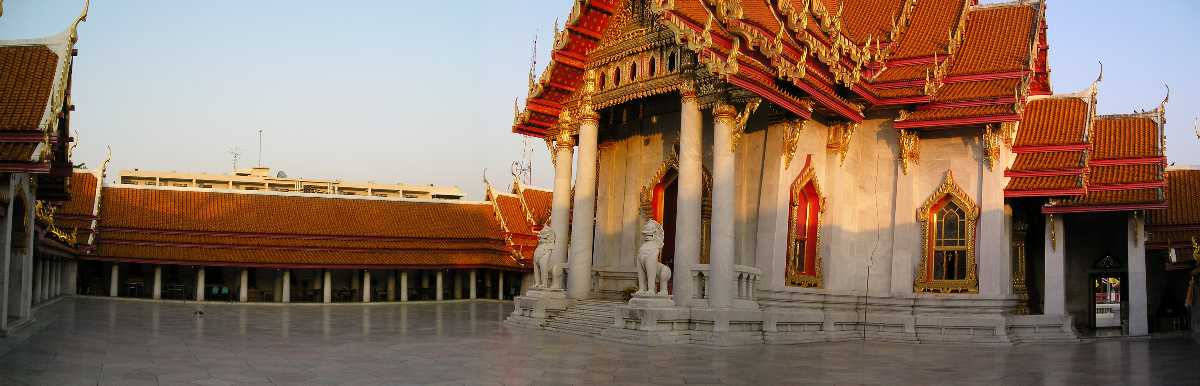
422,91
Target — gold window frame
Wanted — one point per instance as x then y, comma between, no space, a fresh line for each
950,190
795,276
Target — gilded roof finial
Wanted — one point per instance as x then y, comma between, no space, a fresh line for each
533,61
1100,78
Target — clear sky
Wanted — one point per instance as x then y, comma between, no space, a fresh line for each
422,91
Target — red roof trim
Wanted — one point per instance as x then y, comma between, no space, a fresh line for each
1043,172
292,266
1049,148
283,236
1136,185
975,103
1103,208
1127,161
958,121
23,167
1045,192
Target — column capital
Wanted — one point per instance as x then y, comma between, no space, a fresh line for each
724,110
564,138
687,90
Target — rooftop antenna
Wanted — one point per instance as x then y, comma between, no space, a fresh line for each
522,169
260,147
236,153
1196,127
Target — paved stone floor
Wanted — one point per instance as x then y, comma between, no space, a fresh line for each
121,342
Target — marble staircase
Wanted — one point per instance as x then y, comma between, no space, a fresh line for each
587,317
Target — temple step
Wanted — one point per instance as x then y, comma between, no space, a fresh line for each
586,318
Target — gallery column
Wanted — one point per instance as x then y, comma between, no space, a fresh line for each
690,201
200,283
114,275
157,290
1056,294
1138,318
243,285
722,248
286,287
327,287
579,280
472,288
560,211
439,289
404,286
366,286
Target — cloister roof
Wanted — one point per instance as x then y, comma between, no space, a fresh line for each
216,227
1179,222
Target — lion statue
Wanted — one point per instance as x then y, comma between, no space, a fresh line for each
649,268
543,265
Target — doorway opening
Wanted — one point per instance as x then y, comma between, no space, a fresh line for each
1107,304
666,193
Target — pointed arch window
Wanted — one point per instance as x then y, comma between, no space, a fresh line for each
948,220
803,266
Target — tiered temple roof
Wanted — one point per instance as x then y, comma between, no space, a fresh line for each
953,62
1051,147
35,105
272,229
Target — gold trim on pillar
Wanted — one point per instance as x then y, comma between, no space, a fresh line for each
796,272
1053,232
647,199
948,193
839,140
910,149
791,139
739,123
1020,229
992,140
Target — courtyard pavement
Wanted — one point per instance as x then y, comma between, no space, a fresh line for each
122,342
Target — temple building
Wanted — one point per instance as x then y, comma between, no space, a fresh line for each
786,171
35,172
162,241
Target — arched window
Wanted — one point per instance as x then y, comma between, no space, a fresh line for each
803,266
652,67
948,221
633,72
671,62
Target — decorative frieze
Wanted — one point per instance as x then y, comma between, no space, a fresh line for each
910,149
791,139
839,139
992,140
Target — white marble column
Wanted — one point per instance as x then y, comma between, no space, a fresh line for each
391,285
286,287
722,244
366,286
243,285
404,286
58,269
438,289
583,220
37,285
1055,281
906,247
471,281
560,212
994,240
114,275
156,292
690,202
327,287
1139,320
200,284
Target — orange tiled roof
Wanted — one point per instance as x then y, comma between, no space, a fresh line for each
1044,183
83,195
514,215
1055,160
1054,121
210,227
997,39
1180,221
1183,207
1125,174
1115,197
539,203
26,81
927,32
974,90
1118,137
873,18
959,112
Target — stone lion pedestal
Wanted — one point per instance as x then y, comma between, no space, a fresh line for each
650,319
537,306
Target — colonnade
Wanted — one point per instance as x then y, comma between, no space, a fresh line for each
282,285
688,231
52,277
1055,279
